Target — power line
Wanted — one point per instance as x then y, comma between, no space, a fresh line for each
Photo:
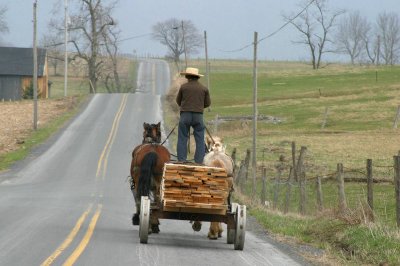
118,41
273,33
135,37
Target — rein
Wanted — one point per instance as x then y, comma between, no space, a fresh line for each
208,132
169,134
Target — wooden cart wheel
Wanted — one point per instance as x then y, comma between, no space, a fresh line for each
230,236
144,219
240,227
230,233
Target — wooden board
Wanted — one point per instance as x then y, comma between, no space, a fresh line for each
194,210
194,188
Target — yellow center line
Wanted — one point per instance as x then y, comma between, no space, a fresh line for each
85,241
110,137
114,135
69,238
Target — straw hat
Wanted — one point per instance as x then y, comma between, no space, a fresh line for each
192,71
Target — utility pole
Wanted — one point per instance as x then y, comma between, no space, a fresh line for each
207,66
184,44
66,48
35,107
255,113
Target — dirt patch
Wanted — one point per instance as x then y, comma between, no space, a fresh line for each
16,119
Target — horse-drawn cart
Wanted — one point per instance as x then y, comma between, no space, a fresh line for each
195,193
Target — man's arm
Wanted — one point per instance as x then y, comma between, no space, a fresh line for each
207,99
179,97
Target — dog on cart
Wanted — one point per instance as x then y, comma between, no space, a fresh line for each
216,157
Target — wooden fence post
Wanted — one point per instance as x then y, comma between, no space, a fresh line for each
340,181
397,187
233,156
264,186
288,191
302,180
319,194
370,181
294,160
396,119
239,174
247,162
277,185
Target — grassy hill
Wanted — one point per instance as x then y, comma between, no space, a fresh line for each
362,103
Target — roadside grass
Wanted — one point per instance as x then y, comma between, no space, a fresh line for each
362,102
368,244
356,198
37,137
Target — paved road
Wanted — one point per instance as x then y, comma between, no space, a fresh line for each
70,202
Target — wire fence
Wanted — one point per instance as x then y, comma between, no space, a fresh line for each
367,192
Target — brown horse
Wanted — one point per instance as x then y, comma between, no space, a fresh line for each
146,169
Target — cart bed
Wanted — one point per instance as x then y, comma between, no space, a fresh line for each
194,189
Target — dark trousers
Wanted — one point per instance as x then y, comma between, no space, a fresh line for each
194,120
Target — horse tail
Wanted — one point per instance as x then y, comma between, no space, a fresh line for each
146,172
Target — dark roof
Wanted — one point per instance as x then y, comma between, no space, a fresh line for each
19,61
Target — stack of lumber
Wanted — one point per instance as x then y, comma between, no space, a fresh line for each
194,188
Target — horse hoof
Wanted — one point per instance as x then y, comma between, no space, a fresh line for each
196,226
212,236
135,219
155,229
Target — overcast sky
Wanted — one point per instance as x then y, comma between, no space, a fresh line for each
230,24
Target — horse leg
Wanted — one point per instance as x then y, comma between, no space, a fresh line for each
220,230
214,231
135,217
154,222
196,226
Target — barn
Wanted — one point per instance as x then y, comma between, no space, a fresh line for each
16,72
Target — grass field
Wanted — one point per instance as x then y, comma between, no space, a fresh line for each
79,85
361,110
362,102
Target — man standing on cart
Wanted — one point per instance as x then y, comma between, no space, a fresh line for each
192,98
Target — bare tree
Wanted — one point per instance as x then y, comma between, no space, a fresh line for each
87,25
111,77
3,22
351,35
53,43
315,25
388,26
372,44
176,35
